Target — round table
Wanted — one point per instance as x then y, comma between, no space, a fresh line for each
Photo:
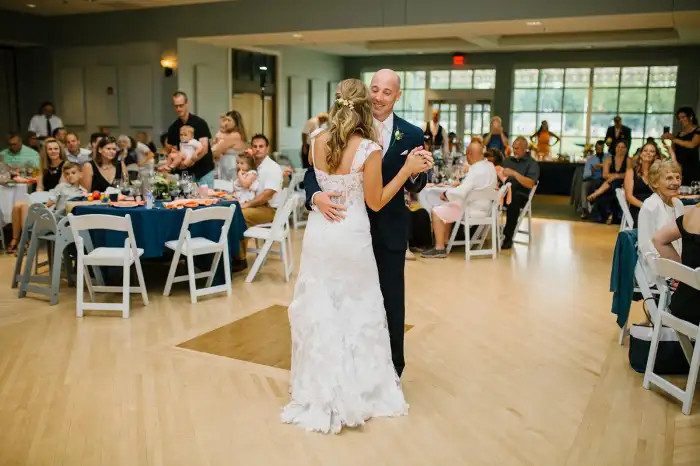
154,227
9,196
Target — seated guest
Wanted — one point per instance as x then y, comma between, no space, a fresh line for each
75,153
145,139
686,228
637,188
261,209
105,169
32,140
18,155
60,134
592,175
50,165
70,187
45,122
135,155
660,208
614,169
481,175
95,139
522,172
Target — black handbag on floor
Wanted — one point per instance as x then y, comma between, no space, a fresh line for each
670,359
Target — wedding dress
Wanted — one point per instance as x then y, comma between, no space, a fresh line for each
342,372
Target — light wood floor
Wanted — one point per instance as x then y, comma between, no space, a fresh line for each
509,362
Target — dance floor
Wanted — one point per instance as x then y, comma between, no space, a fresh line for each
511,361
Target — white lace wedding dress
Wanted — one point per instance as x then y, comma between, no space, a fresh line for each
342,373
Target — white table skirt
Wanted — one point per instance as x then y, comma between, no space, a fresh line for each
9,196
430,197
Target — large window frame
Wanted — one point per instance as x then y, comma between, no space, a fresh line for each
576,102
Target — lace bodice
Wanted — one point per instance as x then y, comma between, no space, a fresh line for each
350,184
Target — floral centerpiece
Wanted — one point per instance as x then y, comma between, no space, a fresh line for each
162,185
587,150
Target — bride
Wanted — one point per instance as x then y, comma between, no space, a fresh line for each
342,372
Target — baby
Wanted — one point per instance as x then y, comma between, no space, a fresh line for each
72,173
246,183
189,148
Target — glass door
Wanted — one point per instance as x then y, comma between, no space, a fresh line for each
465,118
477,118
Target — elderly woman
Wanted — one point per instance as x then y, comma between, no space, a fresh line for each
662,207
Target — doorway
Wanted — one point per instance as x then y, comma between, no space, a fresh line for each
464,117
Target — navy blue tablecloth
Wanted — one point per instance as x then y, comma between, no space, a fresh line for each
556,177
154,227
690,201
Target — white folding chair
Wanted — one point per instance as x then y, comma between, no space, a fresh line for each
223,185
106,256
276,232
685,330
627,222
642,278
526,212
483,224
191,247
299,197
39,197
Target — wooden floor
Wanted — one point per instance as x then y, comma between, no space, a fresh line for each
509,362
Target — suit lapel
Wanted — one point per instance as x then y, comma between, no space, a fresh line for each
392,140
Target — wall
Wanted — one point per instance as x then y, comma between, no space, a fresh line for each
204,75
687,92
125,111
307,65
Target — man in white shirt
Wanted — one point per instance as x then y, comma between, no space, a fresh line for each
481,176
310,126
75,153
262,208
45,122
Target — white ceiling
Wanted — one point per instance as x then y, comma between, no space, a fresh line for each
68,7
565,33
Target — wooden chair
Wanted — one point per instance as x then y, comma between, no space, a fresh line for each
124,257
191,247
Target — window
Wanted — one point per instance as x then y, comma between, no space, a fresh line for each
569,97
463,79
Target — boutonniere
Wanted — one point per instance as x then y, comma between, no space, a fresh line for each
398,135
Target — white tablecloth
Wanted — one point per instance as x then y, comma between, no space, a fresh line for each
430,197
9,196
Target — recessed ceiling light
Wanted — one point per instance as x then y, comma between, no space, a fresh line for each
298,36
31,5
534,23
420,53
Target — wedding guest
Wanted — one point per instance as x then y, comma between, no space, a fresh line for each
229,141
636,183
60,134
660,208
522,172
50,165
544,136
144,138
435,135
312,125
45,122
261,209
481,176
616,133
605,207
497,138
70,188
105,169
202,166
686,229
134,154
17,155
592,176
75,153
686,144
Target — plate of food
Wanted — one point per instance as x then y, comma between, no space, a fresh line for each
126,204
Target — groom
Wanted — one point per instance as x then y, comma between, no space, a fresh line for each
389,226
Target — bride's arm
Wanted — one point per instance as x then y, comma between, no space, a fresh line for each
376,195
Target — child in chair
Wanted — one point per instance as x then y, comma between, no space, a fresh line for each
189,148
246,183
70,189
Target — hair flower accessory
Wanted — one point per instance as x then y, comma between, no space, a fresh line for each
345,103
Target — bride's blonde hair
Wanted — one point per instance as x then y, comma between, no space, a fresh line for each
350,114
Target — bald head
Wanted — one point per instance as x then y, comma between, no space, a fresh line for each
385,90
475,152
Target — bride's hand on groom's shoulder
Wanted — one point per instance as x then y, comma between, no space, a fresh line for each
332,211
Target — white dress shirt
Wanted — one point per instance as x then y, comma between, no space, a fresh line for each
653,216
270,176
481,175
38,125
384,129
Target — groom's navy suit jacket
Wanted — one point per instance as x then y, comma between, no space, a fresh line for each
389,226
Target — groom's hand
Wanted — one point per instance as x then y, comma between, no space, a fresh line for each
332,211
427,160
